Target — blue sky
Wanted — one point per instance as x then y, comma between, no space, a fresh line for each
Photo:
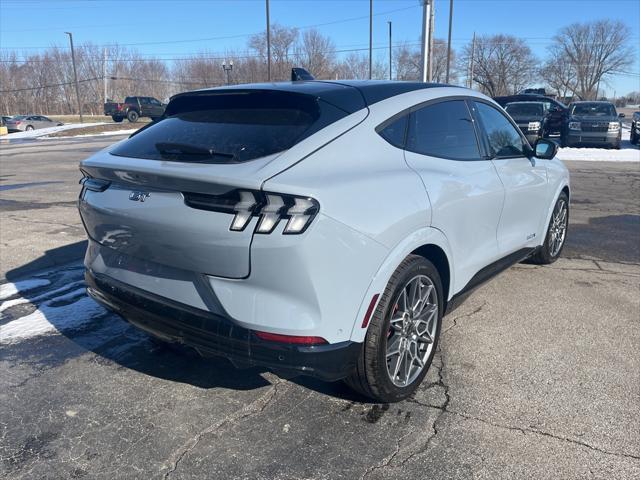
227,24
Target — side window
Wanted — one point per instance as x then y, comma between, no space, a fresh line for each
394,132
444,130
503,138
153,101
144,101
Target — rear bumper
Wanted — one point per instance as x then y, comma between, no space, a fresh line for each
215,335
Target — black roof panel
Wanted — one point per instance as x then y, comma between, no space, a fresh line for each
348,95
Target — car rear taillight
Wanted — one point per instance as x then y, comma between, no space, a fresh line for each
271,208
17,122
290,339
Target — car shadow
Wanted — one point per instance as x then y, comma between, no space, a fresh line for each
52,299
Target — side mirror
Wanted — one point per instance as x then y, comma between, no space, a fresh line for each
621,115
545,149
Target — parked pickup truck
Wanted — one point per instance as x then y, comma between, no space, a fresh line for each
133,108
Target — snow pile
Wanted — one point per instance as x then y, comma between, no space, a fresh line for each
47,131
600,154
101,134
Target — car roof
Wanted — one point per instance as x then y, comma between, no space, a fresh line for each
526,103
348,95
600,102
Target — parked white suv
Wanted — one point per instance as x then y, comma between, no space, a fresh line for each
318,227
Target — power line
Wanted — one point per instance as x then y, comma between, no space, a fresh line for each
50,85
226,37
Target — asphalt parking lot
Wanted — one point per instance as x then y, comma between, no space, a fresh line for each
538,373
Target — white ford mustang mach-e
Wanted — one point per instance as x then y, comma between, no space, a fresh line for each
318,227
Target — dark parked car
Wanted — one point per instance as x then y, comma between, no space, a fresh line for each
557,111
531,118
635,128
135,107
23,123
594,123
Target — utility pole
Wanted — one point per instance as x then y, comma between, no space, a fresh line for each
268,45
390,64
370,39
104,73
427,16
472,60
75,75
449,41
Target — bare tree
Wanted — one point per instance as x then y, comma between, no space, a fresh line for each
559,75
595,51
283,42
316,53
408,62
502,64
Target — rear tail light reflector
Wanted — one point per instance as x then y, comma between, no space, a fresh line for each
290,339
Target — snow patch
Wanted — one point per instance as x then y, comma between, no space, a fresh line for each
9,289
46,131
49,319
599,155
100,134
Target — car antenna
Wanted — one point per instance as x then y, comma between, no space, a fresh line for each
299,74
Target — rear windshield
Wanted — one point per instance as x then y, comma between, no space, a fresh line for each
525,109
230,126
594,109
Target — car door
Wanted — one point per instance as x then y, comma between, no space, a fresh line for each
156,107
464,189
524,180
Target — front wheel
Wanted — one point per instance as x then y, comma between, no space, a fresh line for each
403,334
29,128
553,244
117,119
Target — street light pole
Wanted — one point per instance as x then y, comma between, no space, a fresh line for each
268,45
227,69
390,64
449,42
75,75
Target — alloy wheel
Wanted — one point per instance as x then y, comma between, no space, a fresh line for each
412,330
558,227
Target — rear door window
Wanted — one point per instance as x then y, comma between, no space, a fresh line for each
394,132
230,126
444,130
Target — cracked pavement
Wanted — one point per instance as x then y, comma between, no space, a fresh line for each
537,375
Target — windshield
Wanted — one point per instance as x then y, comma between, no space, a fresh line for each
525,109
594,109
230,127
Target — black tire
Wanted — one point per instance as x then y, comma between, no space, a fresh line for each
371,377
29,128
117,119
132,116
544,255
